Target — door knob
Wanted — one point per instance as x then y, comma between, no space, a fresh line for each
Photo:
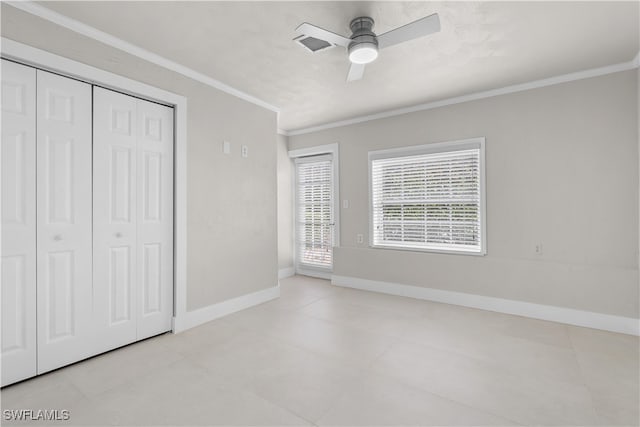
57,237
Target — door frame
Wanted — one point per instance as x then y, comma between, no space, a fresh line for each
41,59
332,149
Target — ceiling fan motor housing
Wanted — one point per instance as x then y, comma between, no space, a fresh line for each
364,43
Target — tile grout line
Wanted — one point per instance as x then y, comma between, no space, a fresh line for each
458,402
431,392
581,370
290,411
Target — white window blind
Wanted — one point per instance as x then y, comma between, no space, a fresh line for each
430,199
314,216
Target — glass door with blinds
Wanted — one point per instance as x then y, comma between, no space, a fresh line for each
315,220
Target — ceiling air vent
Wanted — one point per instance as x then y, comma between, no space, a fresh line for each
312,44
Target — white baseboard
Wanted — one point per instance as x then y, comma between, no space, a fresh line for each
315,273
588,319
283,273
206,314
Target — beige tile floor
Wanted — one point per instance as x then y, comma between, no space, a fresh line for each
323,355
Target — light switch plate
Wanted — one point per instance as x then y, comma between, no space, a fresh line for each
226,147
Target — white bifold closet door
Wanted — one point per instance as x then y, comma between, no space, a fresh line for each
64,282
133,218
18,356
87,220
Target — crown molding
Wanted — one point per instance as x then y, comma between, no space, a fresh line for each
100,36
108,39
564,78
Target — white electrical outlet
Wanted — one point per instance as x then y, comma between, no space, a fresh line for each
360,238
226,147
245,151
538,249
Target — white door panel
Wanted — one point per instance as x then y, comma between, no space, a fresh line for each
64,221
115,215
133,217
155,218
18,355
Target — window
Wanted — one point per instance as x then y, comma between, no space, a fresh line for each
429,198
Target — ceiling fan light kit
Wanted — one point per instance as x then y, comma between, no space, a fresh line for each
363,53
363,45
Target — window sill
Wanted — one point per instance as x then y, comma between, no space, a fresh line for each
435,251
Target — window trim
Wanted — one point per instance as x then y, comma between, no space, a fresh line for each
436,147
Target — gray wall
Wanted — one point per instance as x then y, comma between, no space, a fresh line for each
231,201
562,171
285,205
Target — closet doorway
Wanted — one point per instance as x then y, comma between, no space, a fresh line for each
87,220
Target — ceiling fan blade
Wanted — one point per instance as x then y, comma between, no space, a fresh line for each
355,72
322,34
420,28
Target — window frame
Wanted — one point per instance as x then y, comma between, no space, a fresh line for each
433,148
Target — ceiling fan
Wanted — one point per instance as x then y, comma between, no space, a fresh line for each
363,45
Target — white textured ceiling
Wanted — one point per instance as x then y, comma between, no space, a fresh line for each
482,46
